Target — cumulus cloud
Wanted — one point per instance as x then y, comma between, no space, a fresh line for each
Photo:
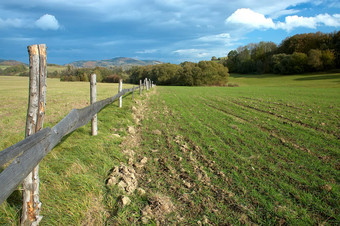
255,20
47,22
250,18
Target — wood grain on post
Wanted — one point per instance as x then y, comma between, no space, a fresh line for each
140,87
93,89
120,88
34,123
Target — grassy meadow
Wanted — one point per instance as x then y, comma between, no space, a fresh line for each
266,152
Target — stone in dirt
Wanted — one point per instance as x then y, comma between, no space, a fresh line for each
124,177
144,160
159,207
124,200
141,191
131,130
156,132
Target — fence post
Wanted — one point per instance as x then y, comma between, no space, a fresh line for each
120,88
133,92
93,99
140,87
34,123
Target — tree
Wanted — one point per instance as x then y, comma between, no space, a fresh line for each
328,59
314,59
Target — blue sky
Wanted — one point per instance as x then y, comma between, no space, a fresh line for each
166,30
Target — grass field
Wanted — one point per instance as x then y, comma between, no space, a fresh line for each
267,155
266,152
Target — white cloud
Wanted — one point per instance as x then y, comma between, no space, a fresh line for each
250,18
292,22
147,51
196,53
47,22
215,38
332,21
17,23
255,20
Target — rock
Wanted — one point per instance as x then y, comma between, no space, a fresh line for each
124,177
125,200
205,220
156,132
122,185
131,130
141,191
112,181
144,160
145,220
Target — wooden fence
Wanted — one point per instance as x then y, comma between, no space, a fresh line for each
30,151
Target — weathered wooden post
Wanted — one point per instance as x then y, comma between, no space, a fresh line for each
34,123
133,92
93,99
120,88
140,87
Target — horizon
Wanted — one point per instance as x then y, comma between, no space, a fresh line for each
170,32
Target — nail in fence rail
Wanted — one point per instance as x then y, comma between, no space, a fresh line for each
30,151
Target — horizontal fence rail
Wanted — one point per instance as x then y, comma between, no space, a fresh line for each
30,151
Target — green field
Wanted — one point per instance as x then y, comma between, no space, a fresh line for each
266,152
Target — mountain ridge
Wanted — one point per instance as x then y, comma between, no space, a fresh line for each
117,61
10,62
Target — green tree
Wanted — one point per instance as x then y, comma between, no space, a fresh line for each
314,59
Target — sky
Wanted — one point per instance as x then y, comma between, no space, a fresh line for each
166,30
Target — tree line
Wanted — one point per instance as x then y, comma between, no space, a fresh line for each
300,53
203,73
19,69
110,75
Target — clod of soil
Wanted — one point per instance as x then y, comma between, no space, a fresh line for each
157,132
124,177
131,130
124,200
159,206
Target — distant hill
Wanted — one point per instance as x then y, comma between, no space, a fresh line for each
118,61
10,62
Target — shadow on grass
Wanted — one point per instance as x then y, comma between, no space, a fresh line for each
15,199
255,75
320,77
